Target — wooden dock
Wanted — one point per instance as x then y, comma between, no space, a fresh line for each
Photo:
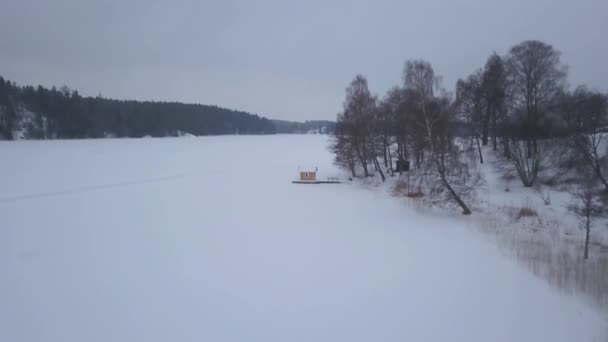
330,180
316,182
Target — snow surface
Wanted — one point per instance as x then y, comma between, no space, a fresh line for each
206,239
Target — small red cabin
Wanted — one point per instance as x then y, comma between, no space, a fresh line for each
308,176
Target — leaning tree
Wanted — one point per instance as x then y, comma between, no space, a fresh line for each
435,115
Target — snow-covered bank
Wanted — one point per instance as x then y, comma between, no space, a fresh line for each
207,239
549,243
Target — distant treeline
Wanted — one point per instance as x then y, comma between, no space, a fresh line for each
311,126
28,112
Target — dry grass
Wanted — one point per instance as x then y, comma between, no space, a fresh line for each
404,189
415,194
551,251
525,212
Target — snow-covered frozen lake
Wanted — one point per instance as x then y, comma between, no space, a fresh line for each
206,239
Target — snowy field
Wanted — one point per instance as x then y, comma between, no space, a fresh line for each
206,239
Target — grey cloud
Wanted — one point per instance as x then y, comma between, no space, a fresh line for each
283,59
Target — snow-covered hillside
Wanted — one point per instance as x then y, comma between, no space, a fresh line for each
206,239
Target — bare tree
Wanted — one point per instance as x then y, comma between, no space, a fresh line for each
586,117
586,207
494,85
344,153
480,101
536,76
526,167
394,125
359,111
470,105
434,120
376,138
416,142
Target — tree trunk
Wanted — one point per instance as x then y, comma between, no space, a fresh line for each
598,172
465,209
484,133
390,160
479,149
363,163
485,128
586,256
494,133
399,149
404,155
507,152
365,171
379,169
384,150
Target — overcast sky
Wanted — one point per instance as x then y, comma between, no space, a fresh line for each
281,59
